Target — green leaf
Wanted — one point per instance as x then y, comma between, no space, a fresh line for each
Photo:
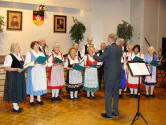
77,31
124,30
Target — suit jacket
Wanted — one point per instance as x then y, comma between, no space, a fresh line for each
112,63
100,53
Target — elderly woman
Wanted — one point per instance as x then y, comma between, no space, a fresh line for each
132,81
36,77
91,84
56,72
151,81
14,91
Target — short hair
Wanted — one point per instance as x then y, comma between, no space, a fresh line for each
33,44
129,46
72,48
151,48
13,46
102,43
41,39
56,44
112,36
91,38
75,43
137,46
122,39
91,46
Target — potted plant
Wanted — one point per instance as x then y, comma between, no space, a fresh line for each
77,31
2,23
125,31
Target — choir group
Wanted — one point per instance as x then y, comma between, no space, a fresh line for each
87,75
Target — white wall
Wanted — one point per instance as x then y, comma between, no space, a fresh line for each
137,21
162,25
106,15
31,32
79,4
151,21
148,18
101,17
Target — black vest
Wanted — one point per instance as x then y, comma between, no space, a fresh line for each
86,49
16,63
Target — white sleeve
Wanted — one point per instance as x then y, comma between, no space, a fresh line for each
8,61
83,50
27,58
66,64
99,63
82,54
142,56
50,59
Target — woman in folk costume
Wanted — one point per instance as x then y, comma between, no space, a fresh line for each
125,60
132,81
36,77
91,83
15,87
124,68
74,77
56,72
151,81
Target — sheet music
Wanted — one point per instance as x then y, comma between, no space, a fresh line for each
139,69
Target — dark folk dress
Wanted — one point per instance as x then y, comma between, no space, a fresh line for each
76,78
15,87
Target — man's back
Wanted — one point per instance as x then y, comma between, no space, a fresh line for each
113,62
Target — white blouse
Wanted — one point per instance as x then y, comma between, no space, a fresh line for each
8,59
71,61
36,54
132,55
83,61
59,56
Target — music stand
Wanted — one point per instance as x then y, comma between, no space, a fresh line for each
138,69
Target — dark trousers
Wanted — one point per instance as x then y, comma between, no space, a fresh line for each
112,91
100,75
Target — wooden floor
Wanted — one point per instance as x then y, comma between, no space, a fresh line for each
85,112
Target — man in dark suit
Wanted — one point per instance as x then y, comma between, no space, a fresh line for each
42,45
112,75
101,69
89,43
123,45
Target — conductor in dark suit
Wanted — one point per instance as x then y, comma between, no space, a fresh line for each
112,75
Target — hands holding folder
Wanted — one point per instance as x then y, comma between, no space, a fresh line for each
39,60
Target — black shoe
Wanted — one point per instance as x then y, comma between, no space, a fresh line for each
152,96
104,115
88,97
41,102
72,98
93,97
131,95
53,99
58,99
115,115
147,96
135,96
18,111
76,97
32,103
120,96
